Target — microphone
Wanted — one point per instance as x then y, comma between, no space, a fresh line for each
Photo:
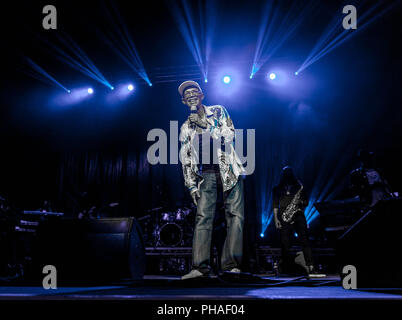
193,110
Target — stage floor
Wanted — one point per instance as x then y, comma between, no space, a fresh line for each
172,288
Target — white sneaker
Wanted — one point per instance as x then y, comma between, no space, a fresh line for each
235,270
315,274
192,274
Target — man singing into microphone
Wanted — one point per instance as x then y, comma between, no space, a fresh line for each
209,163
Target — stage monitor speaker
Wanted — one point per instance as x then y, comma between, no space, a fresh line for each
372,246
102,249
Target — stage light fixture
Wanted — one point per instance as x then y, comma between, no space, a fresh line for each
272,76
296,73
90,90
130,87
226,79
262,235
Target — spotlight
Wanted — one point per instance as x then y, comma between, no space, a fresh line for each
130,87
90,90
272,76
206,80
111,88
251,76
69,91
296,235
226,79
262,235
296,73
150,84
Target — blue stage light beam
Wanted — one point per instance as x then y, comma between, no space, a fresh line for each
329,178
269,175
198,39
40,74
264,32
269,41
332,38
207,28
84,64
345,35
330,29
75,57
325,186
120,41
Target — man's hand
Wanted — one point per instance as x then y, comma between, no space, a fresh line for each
278,224
276,219
195,195
193,117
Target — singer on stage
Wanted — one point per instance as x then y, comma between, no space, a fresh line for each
210,163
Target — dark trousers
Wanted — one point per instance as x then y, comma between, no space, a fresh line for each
286,232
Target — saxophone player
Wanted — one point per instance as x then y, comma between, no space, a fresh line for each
289,202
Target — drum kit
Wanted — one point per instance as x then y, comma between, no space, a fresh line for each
162,228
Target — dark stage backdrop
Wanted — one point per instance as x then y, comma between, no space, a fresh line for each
56,155
347,100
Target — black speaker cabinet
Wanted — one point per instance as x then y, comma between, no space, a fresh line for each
102,249
373,246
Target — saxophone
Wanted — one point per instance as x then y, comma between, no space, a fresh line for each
293,207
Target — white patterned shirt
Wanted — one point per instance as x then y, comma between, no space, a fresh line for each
220,127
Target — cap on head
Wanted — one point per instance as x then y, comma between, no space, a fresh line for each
287,169
186,84
287,172
365,156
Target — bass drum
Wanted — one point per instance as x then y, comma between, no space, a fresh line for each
170,235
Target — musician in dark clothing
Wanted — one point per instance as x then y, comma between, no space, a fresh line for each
289,196
368,182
